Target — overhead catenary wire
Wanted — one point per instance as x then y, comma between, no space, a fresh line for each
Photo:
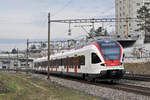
60,10
106,11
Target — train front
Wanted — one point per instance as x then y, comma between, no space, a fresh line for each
112,57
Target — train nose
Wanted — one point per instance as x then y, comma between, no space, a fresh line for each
112,74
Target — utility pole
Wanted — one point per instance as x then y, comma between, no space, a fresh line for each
48,45
27,54
17,61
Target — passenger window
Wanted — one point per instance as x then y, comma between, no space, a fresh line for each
51,63
95,58
71,62
79,62
65,62
82,60
123,57
61,62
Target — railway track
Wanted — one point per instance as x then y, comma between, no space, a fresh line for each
129,88
135,89
118,86
137,77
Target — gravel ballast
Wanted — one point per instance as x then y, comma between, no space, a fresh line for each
102,92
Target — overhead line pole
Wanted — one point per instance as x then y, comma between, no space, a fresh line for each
48,45
27,54
17,60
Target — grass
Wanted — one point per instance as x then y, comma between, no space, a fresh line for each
23,87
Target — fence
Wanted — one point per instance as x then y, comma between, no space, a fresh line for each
143,59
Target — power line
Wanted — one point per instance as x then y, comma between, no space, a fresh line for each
65,6
106,11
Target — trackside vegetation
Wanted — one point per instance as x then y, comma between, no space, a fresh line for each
25,87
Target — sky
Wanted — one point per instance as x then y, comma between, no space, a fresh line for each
27,19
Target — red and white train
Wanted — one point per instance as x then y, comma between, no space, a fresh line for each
101,59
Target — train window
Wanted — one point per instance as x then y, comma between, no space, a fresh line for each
123,57
64,63
58,62
43,63
39,64
54,63
75,60
82,60
95,58
67,61
78,60
71,62
61,61
46,63
35,65
110,50
51,63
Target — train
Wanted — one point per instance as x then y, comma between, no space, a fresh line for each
99,59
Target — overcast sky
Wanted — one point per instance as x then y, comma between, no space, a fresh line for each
22,19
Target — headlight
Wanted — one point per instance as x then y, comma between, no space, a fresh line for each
120,63
103,64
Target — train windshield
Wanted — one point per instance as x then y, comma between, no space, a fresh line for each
110,50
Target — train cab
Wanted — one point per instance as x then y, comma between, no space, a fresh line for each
108,59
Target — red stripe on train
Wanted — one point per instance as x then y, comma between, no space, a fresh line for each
67,61
51,67
75,64
56,65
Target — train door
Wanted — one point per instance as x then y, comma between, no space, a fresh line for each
61,65
81,63
67,63
56,64
64,64
71,65
75,63
51,63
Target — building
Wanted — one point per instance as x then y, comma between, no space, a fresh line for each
128,9
13,61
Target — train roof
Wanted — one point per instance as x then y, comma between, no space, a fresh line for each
95,41
73,50
40,59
